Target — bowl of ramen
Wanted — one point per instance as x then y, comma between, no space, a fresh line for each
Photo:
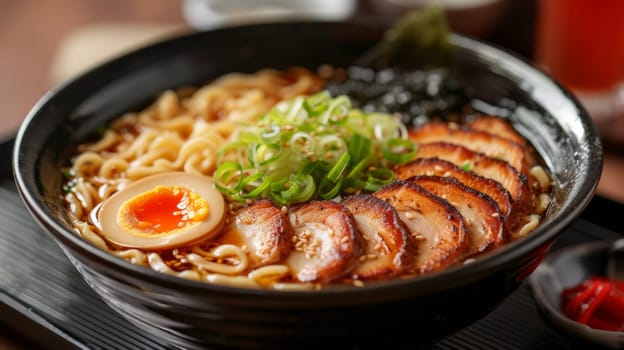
222,188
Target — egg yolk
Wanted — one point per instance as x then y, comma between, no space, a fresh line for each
161,211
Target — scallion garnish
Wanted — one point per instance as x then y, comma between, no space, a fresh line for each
312,147
467,166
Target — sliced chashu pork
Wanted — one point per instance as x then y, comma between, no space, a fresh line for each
513,181
479,141
438,167
327,243
496,126
388,248
500,127
483,219
495,169
263,229
437,226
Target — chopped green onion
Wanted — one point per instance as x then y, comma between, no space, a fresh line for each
329,189
337,111
254,185
382,176
467,166
228,177
338,168
295,189
264,153
306,187
312,147
302,141
357,169
399,151
359,147
315,105
271,134
293,113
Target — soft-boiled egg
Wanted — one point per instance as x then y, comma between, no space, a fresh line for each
163,211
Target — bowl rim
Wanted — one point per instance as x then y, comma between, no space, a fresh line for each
453,276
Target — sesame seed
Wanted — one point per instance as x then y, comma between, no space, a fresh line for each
418,236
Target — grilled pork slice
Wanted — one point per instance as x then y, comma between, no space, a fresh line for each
475,140
438,167
437,226
327,244
388,249
263,229
496,126
483,219
495,169
503,128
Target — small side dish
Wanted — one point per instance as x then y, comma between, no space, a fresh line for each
574,296
597,302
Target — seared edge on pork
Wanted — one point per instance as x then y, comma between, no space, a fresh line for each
438,167
483,218
497,126
501,127
481,164
326,243
476,140
437,226
388,249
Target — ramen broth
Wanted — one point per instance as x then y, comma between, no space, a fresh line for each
190,186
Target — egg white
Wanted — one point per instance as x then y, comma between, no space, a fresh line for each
206,229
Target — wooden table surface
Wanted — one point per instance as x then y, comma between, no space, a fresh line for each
38,38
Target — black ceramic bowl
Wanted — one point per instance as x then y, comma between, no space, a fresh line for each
190,314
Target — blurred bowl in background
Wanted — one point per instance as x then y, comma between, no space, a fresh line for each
208,14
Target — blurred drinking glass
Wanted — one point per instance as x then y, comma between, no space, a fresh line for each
581,44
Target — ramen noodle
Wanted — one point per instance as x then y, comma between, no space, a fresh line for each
190,186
